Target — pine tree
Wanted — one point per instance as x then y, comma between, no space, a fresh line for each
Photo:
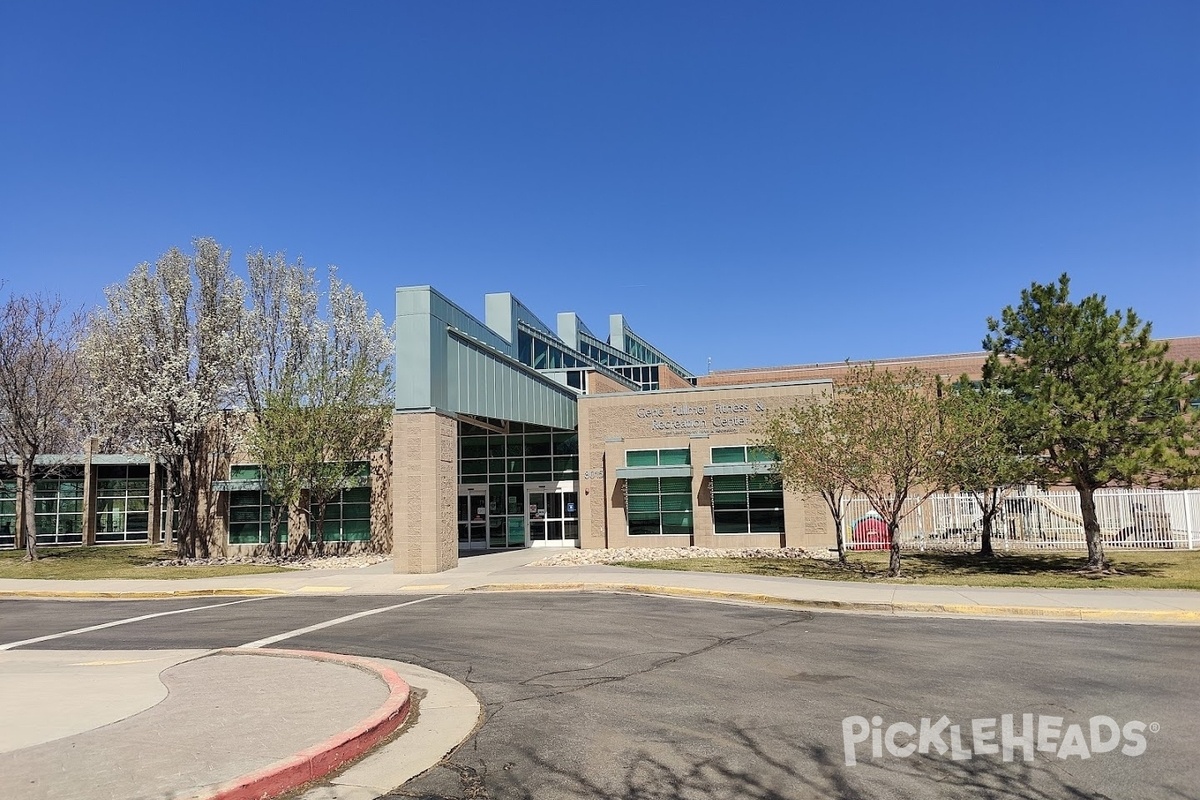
1097,398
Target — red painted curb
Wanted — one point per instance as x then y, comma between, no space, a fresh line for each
320,759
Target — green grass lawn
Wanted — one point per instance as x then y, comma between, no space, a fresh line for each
82,563
1135,569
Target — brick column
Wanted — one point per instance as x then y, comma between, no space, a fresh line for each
424,492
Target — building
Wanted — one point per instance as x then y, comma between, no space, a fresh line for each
510,433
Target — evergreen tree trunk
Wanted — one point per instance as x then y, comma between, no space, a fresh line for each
1091,526
894,547
990,510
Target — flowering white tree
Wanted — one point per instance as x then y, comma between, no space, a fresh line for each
348,393
163,357
317,385
40,391
278,337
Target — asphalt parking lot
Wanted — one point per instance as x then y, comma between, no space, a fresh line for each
613,695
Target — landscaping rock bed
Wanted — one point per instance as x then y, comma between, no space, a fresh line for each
571,558
352,561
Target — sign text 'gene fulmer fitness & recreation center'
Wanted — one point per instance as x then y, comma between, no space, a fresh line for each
715,417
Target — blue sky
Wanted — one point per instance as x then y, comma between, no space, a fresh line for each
758,183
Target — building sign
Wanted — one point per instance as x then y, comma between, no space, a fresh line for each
723,417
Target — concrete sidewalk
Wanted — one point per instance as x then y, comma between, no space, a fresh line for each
216,725
510,570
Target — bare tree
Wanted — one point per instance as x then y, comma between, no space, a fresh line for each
808,439
40,390
163,357
898,443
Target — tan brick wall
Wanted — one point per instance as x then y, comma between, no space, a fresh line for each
698,419
599,383
669,380
424,492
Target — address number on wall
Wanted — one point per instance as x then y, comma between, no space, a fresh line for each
593,474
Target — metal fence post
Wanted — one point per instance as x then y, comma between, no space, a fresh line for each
1188,520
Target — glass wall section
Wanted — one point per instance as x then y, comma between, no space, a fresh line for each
602,353
658,506
349,518
8,514
536,350
748,503
505,462
250,510
122,503
58,509
646,377
743,455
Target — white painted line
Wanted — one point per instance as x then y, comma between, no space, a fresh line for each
330,623
90,628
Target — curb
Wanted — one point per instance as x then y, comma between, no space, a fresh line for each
323,758
890,607
56,594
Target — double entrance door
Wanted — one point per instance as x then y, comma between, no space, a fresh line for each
548,517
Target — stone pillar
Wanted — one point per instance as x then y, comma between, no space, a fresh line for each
424,492
89,491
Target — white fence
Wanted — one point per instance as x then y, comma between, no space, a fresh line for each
1030,519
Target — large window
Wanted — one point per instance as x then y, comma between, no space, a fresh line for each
8,513
658,506
58,510
250,510
122,503
348,516
746,503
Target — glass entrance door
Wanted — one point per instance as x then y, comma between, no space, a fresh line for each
552,510
472,517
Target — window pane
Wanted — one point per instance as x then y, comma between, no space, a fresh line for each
641,486
730,522
356,511
729,501
537,444
472,447
765,500
643,524
676,502
677,522
760,454
676,485
356,530
728,455
674,457
642,503
728,483
641,458
764,482
766,521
